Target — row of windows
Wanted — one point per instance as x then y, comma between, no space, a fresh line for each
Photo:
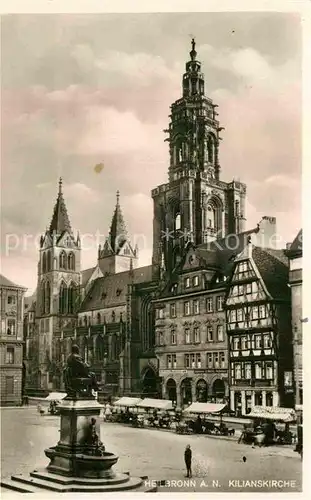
245,289
194,361
194,282
260,341
99,319
66,262
194,336
257,370
193,307
254,312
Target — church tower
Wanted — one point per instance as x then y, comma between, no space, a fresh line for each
57,289
117,254
195,205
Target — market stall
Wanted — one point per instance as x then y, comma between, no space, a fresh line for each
271,424
124,409
203,425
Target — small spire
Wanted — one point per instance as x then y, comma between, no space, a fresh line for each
118,197
60,184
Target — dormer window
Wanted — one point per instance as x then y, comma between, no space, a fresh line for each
195,281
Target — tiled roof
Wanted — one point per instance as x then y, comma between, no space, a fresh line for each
85,275
5,282
111,290
274,271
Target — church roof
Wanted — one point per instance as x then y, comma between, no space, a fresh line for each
60,220
5,282
85,275
118,232
111,290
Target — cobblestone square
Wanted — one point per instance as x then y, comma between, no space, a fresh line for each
217,462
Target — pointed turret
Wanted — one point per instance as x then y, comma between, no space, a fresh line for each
193,79
118,232
60,220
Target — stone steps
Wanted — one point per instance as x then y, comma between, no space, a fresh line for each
38,481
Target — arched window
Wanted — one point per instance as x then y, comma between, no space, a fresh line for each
63,296
100,348
44,263
43,298
210,217
85,320
210,149
71,298
71,261
47,298
177,221
98,318
63,260
49,261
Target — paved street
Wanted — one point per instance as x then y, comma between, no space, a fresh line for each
217,462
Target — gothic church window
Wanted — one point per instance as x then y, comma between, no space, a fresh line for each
47,298
63,260
63,299
71,298
177,221
44,263
71,261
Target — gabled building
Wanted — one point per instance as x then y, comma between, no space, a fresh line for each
259,331
191,341
294,254
11,342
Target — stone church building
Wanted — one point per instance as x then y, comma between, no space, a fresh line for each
161,329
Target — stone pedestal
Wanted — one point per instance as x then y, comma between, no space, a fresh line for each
79,461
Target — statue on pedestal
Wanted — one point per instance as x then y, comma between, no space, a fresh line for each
78,379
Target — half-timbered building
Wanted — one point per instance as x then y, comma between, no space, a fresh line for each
258,319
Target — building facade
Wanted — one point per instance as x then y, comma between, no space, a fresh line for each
11,342
294,254
259,330
180,327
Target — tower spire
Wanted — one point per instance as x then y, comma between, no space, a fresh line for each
118,232
60,220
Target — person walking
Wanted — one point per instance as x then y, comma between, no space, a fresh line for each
188,459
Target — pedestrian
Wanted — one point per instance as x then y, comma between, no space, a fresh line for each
188,458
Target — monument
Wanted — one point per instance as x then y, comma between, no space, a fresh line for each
79,462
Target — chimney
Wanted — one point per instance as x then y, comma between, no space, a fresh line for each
266,237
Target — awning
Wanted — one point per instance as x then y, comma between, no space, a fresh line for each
127,401
158,404
205,408
273,413
56,396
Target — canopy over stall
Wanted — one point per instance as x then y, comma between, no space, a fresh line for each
56,396
158,404
205,408
127,401
273,413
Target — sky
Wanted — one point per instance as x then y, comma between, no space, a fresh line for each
78,90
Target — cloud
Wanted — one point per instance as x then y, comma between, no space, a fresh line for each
94,89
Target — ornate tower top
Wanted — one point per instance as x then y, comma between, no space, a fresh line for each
118,232
193,53
193,79
60,220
